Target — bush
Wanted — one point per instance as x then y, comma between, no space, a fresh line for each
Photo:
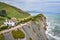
3,28
18,34
3,13
1,37
30,38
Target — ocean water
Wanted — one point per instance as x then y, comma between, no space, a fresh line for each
53,28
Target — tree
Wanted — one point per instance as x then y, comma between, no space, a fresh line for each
3,13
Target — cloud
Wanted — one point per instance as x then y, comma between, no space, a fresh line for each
41,5
32,1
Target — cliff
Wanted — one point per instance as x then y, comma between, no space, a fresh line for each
31,30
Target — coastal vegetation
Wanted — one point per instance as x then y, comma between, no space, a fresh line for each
11,11
2,19
1,37
18,34
7,11
3,28
31,18
30,38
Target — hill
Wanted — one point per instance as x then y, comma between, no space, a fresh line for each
7,11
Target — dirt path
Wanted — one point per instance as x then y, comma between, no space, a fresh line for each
7,30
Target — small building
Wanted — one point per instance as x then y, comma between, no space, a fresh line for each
10,23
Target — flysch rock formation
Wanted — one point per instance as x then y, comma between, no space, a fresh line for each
32,29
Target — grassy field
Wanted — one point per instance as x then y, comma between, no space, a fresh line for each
18,34
11,11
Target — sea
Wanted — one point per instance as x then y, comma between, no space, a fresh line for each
53,25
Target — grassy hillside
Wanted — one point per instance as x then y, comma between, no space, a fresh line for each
13,11
10,11
32,18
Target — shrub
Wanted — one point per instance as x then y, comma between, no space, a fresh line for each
3,28
18,34
30,38
1,37
3,13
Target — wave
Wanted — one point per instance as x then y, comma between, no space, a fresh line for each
50,35
52,27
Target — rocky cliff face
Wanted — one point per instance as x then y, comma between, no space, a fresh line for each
33,30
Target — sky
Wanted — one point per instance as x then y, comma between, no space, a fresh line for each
36,5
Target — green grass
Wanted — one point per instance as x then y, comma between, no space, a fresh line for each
1,37
32,18
12,12
18,34
2,20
